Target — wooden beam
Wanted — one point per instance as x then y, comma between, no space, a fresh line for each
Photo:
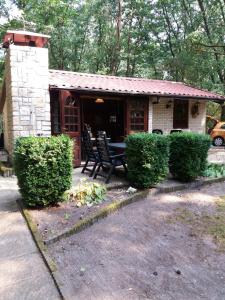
2,97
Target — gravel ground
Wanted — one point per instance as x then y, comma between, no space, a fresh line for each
147,250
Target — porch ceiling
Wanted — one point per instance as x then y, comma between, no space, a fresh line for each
124,85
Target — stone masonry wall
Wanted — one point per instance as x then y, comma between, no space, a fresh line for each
7,110
162,117
27,107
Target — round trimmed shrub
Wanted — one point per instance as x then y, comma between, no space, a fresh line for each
147,159
43,166
188,155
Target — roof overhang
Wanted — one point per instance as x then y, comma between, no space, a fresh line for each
130,86
130,93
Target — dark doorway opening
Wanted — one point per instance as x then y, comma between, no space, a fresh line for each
108,115
180,114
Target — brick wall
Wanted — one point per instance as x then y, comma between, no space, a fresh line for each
162,117
27,108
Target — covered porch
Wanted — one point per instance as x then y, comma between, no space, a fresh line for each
117,115
120,114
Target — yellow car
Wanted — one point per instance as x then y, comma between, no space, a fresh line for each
217,131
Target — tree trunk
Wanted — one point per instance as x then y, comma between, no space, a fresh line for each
222,112
117,47
208,33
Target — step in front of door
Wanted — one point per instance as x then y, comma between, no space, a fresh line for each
4,157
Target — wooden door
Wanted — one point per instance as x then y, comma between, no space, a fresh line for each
70,121
180,113
136,115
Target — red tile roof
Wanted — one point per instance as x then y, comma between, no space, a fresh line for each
125,85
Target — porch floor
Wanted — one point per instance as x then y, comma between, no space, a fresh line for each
215,155
117,180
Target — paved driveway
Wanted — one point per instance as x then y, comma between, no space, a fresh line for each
23,274
147,250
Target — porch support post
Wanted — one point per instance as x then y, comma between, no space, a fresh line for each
150,115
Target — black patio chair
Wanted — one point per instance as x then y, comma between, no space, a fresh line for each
107,161
103,135
92,157
157,131
87,127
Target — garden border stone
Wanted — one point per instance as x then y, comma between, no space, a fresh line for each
49,262
111,208
194,184
102,213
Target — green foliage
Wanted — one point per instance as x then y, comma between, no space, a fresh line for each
214,170
43,166
213,109
177,40
188,155
147,159
86,193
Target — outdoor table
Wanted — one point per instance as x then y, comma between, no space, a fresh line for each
93,139
117,145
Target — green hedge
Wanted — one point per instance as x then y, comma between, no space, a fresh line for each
188,155
147,159
43,166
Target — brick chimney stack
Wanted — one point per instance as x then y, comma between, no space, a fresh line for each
27,103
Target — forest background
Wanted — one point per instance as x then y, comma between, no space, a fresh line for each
180,40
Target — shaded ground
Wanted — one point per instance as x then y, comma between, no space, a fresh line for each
117,180
154,249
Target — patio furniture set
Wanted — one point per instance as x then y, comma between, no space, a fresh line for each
101,158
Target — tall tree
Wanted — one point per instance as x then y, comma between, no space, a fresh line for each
169,39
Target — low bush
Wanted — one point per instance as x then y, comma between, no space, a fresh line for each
147,159
86,193
214,170
188,155
43,166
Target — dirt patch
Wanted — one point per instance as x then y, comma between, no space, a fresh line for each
137,253
53,220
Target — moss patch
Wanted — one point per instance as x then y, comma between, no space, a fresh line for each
215,226
204,223
6,171
220,204
37,238
182,215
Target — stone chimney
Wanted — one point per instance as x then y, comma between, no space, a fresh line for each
26,109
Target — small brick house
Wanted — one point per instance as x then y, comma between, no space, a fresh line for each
38,101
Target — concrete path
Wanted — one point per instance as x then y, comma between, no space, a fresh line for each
23,274
216,155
